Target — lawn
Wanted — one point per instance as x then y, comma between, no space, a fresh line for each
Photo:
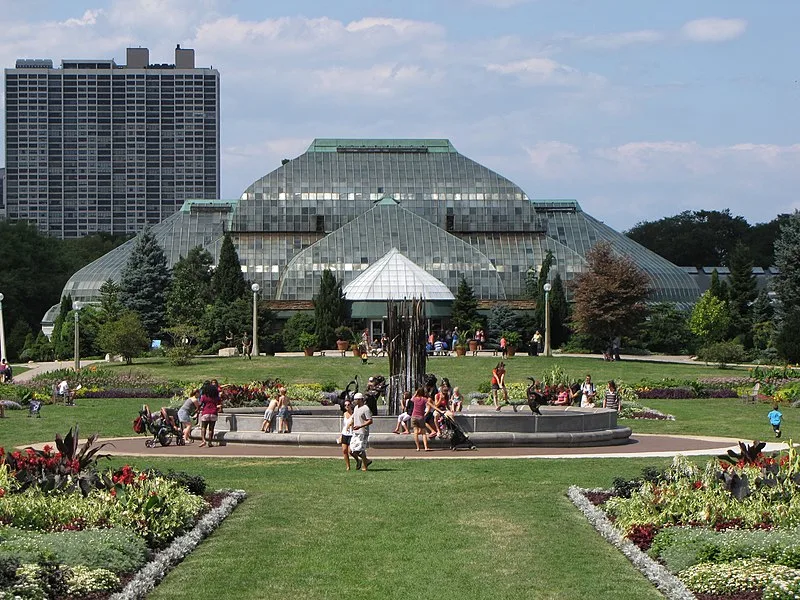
409,528
467,372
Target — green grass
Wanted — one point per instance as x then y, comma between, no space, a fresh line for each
409,528
466,372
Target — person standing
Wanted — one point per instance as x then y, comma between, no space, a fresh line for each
420,405
269,414
536,343
615,346
284,408
246,345
499,383
362,419
588,393
187,410
210,406
347,432
775,417
611,399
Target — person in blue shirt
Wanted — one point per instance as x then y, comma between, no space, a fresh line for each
775,416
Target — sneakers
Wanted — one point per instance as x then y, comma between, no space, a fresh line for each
778,433
358,464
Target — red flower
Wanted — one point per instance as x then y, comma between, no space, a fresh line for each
113,491
698,485
2,492
48,449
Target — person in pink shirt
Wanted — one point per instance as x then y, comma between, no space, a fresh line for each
420,402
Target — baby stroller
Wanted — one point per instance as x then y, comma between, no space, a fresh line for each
450,430
162,429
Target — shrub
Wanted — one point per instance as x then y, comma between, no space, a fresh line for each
194,484
722,353
117,550
180,356
730,578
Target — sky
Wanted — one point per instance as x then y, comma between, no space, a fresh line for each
638,109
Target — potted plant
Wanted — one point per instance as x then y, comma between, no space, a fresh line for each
461,348
343,337
513,340
308,342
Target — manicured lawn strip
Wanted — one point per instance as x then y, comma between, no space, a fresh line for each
444,529
467,372
725,417
111,417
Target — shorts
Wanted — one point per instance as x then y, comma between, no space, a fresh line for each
269,414
364,440
208,418
283,412
403,418
418,422
346,440
495,386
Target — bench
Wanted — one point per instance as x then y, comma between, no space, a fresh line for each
753,396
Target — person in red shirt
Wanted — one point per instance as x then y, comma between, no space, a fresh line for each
210,406
499,383
420,402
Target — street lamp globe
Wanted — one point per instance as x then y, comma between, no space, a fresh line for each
255,287
1,297
547,287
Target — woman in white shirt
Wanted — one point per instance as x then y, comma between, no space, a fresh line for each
347,431
588,393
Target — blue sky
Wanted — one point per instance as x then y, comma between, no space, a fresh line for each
636,108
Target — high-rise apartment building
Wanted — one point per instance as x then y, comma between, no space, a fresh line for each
95,146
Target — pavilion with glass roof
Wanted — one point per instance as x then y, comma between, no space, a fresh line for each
345,204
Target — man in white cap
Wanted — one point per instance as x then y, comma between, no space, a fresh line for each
362,419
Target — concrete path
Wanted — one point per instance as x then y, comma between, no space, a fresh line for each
38,368
640,445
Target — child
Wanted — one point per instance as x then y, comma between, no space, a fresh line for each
405,416
775,416
269,415
456,401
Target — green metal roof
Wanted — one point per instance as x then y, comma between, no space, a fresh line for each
385,145
202,204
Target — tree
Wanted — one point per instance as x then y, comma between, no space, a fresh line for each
762,307
329,309
228,283
191,288
465,307
297,324
787,342
787,251
718,289
125,337
609,296
710,319
144,282
15,340
61,347
110,304
544,274
559,313
501,318
667,330
742,292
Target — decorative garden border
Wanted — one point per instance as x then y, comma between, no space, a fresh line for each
669,585
153,572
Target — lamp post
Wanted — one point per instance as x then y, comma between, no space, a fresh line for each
76,308
2,331
255,287
547,287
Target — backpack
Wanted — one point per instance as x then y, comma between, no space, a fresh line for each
138,424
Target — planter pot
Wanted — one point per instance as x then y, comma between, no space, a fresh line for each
511,351
460,351
308,351
342,345
356,353
473,345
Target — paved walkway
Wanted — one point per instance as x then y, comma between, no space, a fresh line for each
640,445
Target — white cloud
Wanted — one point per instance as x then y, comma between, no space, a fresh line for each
713,29
614,41
89,18
554,160
501,3
542,71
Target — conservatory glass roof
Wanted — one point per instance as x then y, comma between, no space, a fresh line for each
395,277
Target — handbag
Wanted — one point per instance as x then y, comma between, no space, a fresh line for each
356,443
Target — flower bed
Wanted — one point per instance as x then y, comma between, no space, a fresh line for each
71,530
730,528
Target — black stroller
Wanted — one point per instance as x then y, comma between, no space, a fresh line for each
163,429
451,431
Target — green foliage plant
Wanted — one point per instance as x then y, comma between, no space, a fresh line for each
329,309
722,353
227,282
307,340
465,307
734,577
190,292
126,337
710,319
116,549
296,324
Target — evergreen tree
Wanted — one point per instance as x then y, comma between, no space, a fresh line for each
144,282
742,292
190,293
501,318
110,305
329,309
559,313
787,342
61,347
544,274
718,289
762,307
787,251
465,307
15,340
228,283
